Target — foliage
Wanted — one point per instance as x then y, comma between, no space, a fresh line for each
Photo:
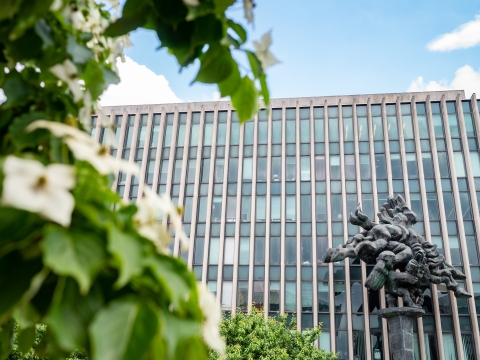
252,337
73,256
19,353
201,30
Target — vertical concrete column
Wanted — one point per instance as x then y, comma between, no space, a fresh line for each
146,151
458,210
158,155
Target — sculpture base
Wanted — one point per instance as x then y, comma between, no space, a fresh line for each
400,330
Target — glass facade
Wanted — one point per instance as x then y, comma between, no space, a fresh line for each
264,200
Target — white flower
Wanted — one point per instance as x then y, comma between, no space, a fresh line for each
248,9
99,157
84,148
151,208
67,72
263,53
212,318
31,186
146,221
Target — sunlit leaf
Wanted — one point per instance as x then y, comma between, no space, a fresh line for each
245,99
128,252
123,330
216,65
73,253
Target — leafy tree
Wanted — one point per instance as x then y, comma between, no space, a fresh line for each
252,337
73,256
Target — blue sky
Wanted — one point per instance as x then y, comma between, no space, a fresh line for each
341,47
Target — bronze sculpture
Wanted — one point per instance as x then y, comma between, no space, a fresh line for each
402,258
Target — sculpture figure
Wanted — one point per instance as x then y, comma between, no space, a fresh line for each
402,258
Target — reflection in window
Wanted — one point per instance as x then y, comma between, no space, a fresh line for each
245,211
396,166
335,167
261,208
320,167
290,169
337,210
275,208
290,296
321,207
350,167
290,208
276,168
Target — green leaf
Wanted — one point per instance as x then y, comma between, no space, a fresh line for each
239,30
80,54
6,338
25,339
216,65
98,77
245,99
134,15
71,313
14,284
208,29
222,5
174,276
22,138
123,330
264,90
255,64
77,254
17,91
128,253
176,331
45,32
9,8
230,85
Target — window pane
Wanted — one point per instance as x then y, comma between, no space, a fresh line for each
319,130
247,168
305,168
262,169
407,127
335,167
362,129
365,167
290,168
412,165
337,212
244,253
275,251
246,202
227,295
275,208
350,167
333,130
290,208
261,207
321,207
459,164
347,129
290,297
377,128
231,208
276,168
207,135
392,127
320,167
214,251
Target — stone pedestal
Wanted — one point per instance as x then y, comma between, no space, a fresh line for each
400,330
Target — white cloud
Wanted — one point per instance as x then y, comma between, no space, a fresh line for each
138,86
466,78
463,37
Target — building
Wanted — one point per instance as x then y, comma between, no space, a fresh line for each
263,202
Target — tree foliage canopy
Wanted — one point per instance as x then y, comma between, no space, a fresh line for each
73,255
252,337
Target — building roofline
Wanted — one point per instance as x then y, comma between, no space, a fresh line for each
303,101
